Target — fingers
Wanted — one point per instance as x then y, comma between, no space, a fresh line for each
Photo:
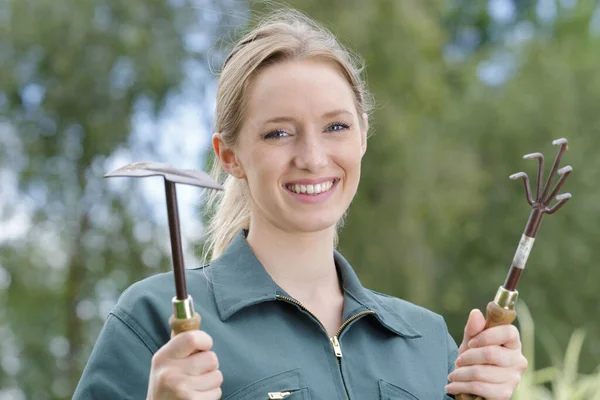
185,344
200,363
184,368
489,391
490,363
475,324
492,355
210,381
483,373
503,335
487,381
214,394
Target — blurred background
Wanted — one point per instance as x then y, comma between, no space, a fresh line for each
463,89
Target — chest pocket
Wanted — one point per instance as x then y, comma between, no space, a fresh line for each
387,391
287,385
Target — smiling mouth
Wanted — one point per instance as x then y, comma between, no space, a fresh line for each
312,190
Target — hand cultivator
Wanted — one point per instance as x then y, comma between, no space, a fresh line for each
501,310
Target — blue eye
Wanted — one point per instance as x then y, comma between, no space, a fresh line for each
338,126
276,134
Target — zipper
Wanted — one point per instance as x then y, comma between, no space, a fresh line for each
335,342
335,338
296,302
278,395
337,349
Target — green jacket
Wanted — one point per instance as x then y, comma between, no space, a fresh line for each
267,343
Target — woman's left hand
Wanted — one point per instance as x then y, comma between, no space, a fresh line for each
490,362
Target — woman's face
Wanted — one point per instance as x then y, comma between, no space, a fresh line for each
300,146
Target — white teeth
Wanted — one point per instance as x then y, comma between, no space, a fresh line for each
311,189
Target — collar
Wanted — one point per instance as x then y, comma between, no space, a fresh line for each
239,280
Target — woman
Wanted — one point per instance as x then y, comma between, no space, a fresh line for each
283,314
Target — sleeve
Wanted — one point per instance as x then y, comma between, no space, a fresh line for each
119,365
452,355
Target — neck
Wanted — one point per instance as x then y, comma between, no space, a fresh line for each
301,263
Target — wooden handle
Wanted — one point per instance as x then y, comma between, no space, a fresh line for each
495,316
184,325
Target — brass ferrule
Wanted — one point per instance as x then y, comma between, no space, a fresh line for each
183,309
506,298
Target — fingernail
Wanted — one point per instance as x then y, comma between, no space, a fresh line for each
471,343
457,362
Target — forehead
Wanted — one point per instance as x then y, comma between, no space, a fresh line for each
307,88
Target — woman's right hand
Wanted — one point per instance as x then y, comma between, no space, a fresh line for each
184,368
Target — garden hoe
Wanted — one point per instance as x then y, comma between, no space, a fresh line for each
184,317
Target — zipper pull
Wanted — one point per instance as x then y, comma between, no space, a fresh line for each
278,395
336,346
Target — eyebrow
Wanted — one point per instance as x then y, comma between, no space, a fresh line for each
328,114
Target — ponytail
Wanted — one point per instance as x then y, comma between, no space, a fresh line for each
229,212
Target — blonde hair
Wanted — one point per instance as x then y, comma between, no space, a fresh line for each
283,35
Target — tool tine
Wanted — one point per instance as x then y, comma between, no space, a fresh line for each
565,170
560,142
563,173
523,175
533,155
518,175
562,199
564,145
540,172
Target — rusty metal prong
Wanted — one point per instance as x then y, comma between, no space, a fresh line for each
523,175
564,145
563,173
540,174
562,199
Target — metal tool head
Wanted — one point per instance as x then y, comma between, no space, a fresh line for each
184,176
545,197
541,206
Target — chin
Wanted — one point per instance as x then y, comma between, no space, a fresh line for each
315,224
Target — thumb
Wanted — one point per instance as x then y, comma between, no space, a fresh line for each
475,325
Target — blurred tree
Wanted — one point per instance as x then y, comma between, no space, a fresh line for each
436,220
73,75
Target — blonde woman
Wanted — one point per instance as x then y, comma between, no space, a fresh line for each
283,313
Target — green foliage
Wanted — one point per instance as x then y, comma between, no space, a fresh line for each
562,381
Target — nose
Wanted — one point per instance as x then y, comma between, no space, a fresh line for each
311,153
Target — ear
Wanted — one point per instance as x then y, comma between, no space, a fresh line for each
227,157
363,134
